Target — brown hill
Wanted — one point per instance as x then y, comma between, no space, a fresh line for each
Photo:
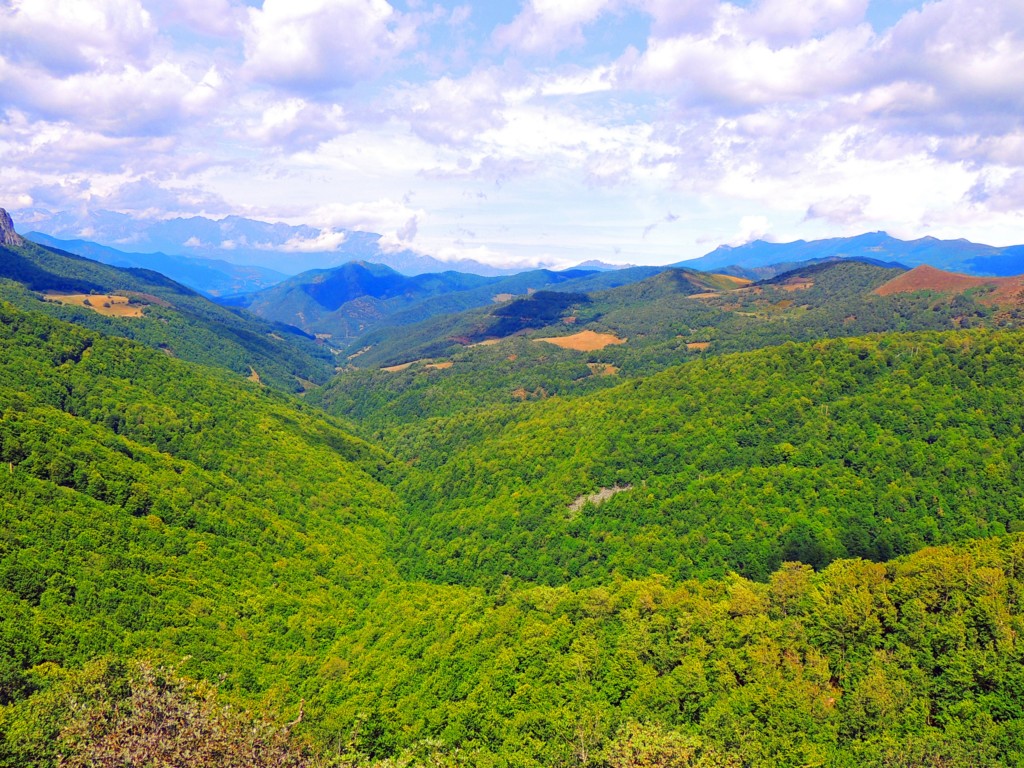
1000,290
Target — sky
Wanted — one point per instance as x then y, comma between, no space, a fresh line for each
526,132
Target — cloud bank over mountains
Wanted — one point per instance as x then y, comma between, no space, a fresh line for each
551,130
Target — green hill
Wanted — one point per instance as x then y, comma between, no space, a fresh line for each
170,316
358,298
868,448
667,319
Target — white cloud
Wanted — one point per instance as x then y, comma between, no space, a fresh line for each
549,26
845,211
731,72
382,216
71,36
294,124
319,45
454,112
751,228
126,102
786,22
327,240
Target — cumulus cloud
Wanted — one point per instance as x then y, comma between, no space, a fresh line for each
326,240
1002,193
454,112
66,37
383,216
100,65
801,115
294,124
128,102
751,228
319,45
783,22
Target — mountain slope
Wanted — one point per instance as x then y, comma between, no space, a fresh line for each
1001,291
160,313
441,367
843,448
355,299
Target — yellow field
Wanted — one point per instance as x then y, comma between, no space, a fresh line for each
734,279
585,341
109,305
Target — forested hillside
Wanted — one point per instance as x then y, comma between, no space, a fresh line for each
668,319
175,540
359,298
163,314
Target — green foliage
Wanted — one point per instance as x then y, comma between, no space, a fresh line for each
449,607
850,448
176,319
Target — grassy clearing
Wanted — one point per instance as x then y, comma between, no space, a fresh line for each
110,305
584,341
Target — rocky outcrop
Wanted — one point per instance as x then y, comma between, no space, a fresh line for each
7,234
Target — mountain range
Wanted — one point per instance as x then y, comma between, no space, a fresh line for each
277,246
953,255
259,250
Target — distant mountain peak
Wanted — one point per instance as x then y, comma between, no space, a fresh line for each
7,234
603,266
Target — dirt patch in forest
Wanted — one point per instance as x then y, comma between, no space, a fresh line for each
697,346
397,368
798,285
111,305
597,498
440,366
584,341
602,369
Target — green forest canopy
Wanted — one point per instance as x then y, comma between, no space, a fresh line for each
434,600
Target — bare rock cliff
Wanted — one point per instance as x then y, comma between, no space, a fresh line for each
7,234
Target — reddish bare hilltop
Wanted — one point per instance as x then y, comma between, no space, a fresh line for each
1003,290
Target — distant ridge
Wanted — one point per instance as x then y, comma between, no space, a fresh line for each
214,277
285,248
602,266
874,247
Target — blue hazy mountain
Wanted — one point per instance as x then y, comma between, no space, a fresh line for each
214,277
281,247
954,255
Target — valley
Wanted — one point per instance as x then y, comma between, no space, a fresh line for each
654,518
